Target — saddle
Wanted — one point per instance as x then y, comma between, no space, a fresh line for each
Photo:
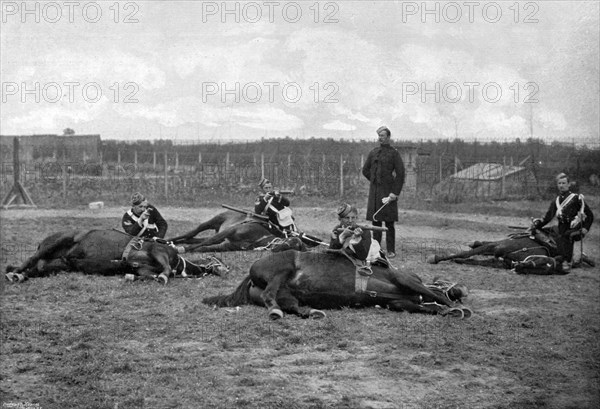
541,237
362,269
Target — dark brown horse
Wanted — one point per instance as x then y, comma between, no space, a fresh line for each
237,232
302,282
530,252
102,252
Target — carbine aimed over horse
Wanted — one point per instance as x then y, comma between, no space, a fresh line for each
110,252
302,282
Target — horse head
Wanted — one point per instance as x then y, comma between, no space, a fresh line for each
453,291
209,265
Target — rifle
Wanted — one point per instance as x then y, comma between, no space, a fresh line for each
246,212
373,228
308,237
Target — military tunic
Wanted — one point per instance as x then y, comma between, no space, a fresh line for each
269,206
568,207
157,225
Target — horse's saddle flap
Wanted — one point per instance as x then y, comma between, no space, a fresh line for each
284,217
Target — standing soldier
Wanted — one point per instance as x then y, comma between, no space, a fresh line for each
143,219
574,218
385,171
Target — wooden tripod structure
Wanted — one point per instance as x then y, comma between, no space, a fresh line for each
17,191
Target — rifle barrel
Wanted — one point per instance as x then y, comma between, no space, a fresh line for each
246,212
373,228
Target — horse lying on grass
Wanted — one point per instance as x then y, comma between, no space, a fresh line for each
109,252
238,232
530,252
302,282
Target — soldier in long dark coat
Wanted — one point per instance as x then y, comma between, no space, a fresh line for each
385,170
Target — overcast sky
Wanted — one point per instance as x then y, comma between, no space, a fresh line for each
189,70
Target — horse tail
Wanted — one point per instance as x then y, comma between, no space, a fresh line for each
241,296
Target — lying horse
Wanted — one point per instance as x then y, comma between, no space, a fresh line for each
301,282
109,252
530,252
236,232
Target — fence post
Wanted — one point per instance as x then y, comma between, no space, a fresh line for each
64,173
289,168
226,161
135,159
341,175
200,158
118,159
262,165
154,160
176,160
503,185
166,177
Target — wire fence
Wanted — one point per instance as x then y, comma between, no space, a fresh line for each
187,173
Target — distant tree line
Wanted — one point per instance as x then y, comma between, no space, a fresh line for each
546,158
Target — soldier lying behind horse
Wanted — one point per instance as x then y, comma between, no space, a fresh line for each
110,252
301,283
530,252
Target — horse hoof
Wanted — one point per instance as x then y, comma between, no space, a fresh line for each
10,277
454,313
20,277
162,279
184,274
317,314
222,271
431,259
129,277
467,312
275,313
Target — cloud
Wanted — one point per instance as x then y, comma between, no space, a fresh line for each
53,118
339,126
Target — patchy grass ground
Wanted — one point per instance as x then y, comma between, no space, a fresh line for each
76,341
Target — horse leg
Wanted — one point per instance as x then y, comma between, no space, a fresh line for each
493,262
483,249
219,238
217,248
269,296
213,224
46,250
290,304
162,257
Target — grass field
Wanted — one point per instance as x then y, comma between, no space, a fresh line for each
77,341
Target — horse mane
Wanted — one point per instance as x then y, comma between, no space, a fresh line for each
240,296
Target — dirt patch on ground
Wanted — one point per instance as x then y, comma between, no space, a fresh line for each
72,341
